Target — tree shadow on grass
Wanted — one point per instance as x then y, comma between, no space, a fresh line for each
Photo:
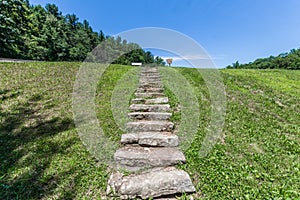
27,149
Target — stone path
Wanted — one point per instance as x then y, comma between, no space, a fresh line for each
150,147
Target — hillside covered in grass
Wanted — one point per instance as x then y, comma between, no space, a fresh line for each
42,157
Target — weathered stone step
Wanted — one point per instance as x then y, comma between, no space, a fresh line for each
143,74
146,81
152,79
150,89
149,115
150,108
143,81
150,184
150,85
149,77
146,126
149,70
160,139
149,94
158,100
150,82
134,158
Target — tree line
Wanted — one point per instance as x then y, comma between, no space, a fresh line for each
290,60
37,33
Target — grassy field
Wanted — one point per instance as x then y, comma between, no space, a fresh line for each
42,157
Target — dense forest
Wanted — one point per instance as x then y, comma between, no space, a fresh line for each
289,60
37,33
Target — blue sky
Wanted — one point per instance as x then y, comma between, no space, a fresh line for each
229,30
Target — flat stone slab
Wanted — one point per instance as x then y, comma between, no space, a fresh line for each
149,115
157,100
150,81
160,139
152,84
147,126
150,89
149,94
149,70
150,78
150,108
135,158
153,183
152,74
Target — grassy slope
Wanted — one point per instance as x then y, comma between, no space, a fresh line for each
41,155
43,158
258,156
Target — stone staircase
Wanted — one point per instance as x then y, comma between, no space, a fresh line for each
150,147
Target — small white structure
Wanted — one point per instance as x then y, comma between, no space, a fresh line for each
136,64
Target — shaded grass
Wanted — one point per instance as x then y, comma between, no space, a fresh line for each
41,156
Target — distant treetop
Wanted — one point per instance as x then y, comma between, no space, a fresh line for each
289,60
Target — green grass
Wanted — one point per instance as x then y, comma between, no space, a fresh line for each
259,153
42,157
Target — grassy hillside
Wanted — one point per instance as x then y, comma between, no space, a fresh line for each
42,157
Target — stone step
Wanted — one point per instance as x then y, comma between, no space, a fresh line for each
149,94
149,72
143,74
150,85
144,80
149,115
150,108
160,139
150,89
150,76
135,158
158,100
147,126
152,82
149,69
150,184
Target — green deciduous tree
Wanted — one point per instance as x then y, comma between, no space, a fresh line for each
34,32
289,60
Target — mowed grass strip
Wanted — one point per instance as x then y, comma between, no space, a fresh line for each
42,157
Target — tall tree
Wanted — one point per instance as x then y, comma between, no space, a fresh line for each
34,32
